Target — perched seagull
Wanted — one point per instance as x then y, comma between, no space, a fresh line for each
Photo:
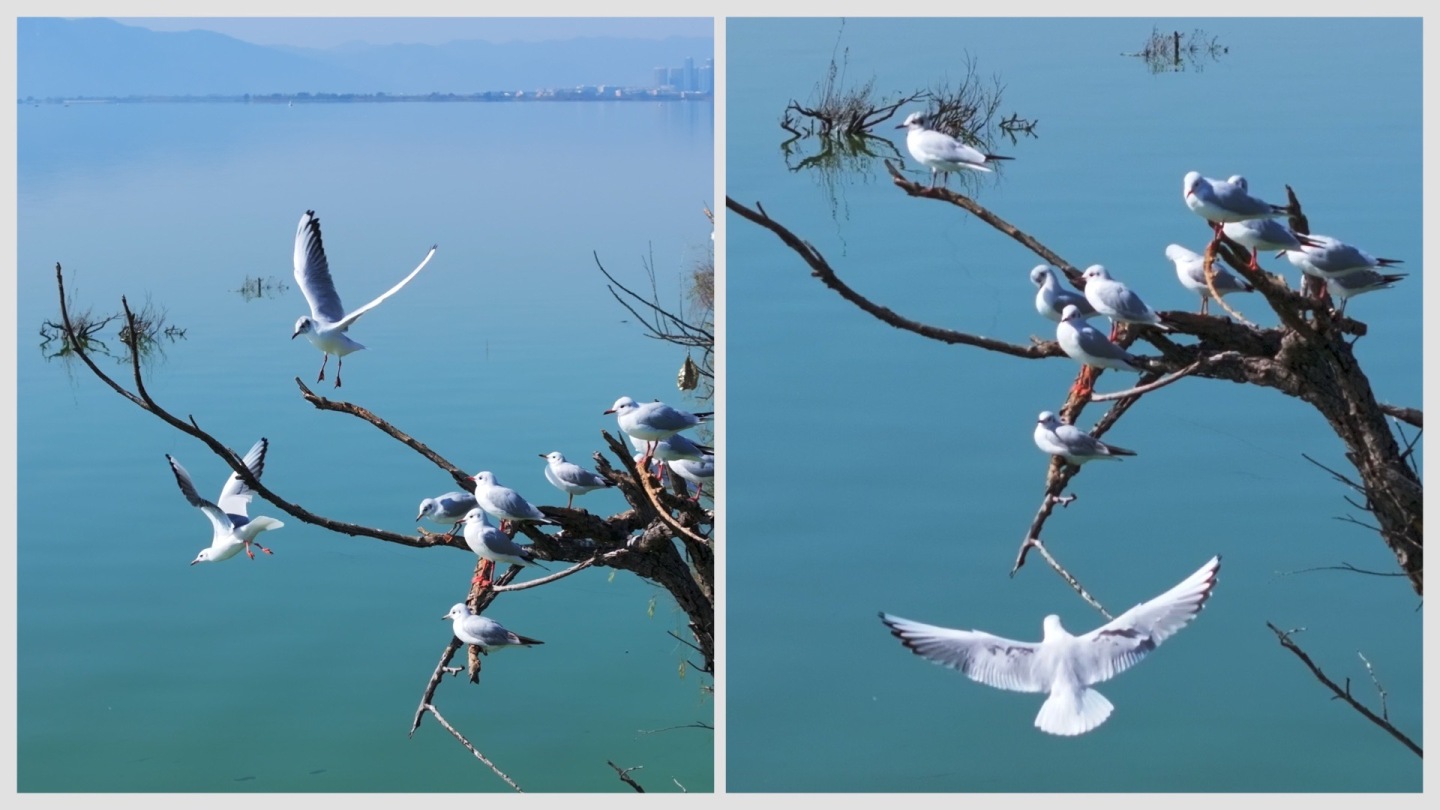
940,152
1075,445
678,448
699,473
234,530
447,509
1085,345
1190,269
653,421
492,545
572,479
1265,234
1221,201
1329,258
485,633
327,322
1359,282
1116,301
503,502
1066,666
1051,298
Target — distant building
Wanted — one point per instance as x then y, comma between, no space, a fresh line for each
690,84
707,77
662,76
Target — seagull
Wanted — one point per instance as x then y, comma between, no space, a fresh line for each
447,509
327,322
653,421
503,502
1264,234
492,545
1085,345
234,530
1221,201
1329,258
1116,301
699,473
1066,666
1359,282
1075,445
572,479
1190,269
483,632
940,152
1051,298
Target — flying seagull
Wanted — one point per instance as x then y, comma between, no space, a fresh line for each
233,529
1066,666
327,322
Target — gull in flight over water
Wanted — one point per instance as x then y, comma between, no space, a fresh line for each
941,153
234,530
1066,666
483,632
327,322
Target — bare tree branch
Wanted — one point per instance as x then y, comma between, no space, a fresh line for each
461,737
624,774
1342,693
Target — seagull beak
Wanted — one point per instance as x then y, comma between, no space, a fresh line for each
297,334
192,562
417,517
542,455
612,410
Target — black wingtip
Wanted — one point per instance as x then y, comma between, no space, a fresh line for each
998,157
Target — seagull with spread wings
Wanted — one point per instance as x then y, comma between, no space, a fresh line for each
233,528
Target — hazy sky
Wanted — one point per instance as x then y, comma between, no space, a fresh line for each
324,32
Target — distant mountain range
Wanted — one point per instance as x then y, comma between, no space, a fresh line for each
100,57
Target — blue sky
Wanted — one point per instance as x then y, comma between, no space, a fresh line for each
325,32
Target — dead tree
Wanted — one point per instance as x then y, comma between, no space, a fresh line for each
664,537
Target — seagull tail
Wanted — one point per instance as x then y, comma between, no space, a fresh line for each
526,641
1119,451
251,530
1389,262
998,157
1068,712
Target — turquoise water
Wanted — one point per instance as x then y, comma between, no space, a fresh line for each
871,469
302,671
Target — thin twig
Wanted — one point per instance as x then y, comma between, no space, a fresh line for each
441,670
1344,566
1068,577
697,724
558,575
1342,693
1384,696
511,782
624,774
1167,379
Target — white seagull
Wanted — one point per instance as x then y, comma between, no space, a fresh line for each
1359,282
492,545
1190,269
1051,298
503,502
653,421
571,479
699,473
483,632
447,509
1330,258
940,152
1115,301
233,529
1221,201
1066,666
1085,344
327,322
1075,445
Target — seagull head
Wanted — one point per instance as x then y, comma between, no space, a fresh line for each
622,404
915,120
427,507
303,326
1070,313
484,477
553,457
1041,274
1192,182
205,555
1180,253
1053,630
1048,420
1237,180
458,611
1095,271
476,515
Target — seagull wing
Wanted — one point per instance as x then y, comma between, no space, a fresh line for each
312,272
1092,342
991,660
217,517
1107,651
354,316
1077,441
235,495
576,475
1121,300
946,148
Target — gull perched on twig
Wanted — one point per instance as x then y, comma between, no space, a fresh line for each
492,545
327,322
1190,269
941,153
570,478
1066,666
1051,298
653,421
1073,444
484,632
447,509
503,502
1221,201
233,529
1116,301
1087,346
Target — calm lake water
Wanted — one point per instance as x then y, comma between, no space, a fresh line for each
871,469
302,671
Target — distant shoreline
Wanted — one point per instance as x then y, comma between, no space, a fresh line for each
582,94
